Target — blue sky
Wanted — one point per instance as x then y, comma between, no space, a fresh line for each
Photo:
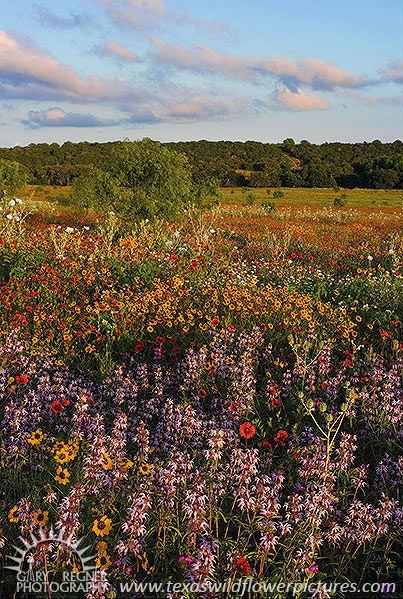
104,70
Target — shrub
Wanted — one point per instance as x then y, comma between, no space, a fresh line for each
157,181
97,190
12,176
269,206
340,200
250,199
150,181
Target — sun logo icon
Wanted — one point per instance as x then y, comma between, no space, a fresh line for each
31,580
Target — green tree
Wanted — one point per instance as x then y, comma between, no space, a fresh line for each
288,146
12,176
97,190
208,192
157,181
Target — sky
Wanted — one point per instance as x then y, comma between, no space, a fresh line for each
172,70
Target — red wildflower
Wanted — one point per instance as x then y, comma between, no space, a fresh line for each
214,322
266,445
160,340
247,430
243,565
22,379
139,346
202,393
57,407
275,403
281,436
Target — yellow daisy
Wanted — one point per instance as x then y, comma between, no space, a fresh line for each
13,514
102,526
40,517
62,475
35,438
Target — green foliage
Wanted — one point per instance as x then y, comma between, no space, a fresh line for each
250,199
157,181
25,262
12,176
147,181
278,194
208,192
98,190
340,200
269,206
235,164
7,258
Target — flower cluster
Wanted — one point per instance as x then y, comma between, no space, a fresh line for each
202,407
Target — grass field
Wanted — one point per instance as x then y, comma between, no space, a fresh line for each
54,204
321,197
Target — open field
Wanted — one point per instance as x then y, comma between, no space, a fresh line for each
213,400
54,204
316,196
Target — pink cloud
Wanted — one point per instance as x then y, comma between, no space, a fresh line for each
201,59
361,97
32,72
139,14
119,52
318,73
57,117
184,108
146,15
27,72
155,6
394,70
297,100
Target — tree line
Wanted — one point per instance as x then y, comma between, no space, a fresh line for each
374,165
145,180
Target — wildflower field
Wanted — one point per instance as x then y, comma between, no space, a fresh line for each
217,399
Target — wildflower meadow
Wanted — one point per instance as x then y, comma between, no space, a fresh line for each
216,399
